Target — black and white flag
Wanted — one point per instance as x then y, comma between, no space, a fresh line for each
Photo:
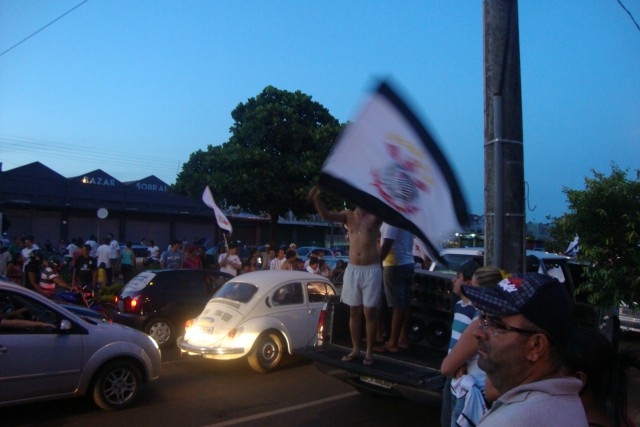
387,163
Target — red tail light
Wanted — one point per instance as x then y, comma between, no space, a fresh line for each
133,304
188,324
321,325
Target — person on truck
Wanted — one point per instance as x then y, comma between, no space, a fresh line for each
525,325
362,283
396,255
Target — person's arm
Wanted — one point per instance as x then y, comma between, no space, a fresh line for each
73,276
22,323
321,207
385,248
464,350
59,281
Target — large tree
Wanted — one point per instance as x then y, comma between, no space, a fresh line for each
606,217
278,143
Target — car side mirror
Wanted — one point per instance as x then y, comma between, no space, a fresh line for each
65,325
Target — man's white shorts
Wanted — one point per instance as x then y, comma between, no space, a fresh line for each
362,285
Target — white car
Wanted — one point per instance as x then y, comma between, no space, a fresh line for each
76,355
260,315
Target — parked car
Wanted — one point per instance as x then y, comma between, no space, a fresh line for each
159,302
77,356
629,315
340,250
259,315
305,251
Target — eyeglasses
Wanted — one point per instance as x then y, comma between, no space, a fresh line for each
495,324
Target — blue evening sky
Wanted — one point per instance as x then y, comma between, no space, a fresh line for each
135,87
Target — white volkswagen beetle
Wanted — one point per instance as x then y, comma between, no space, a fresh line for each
259,315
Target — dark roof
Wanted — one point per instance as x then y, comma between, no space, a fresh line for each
39,186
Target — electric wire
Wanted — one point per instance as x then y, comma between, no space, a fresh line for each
629,13
48,149
50,23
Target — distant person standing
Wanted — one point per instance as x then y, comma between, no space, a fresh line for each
229,261
154,252
276,263
28,247
93,244
114,246
172,258
85,269
127,262
103,255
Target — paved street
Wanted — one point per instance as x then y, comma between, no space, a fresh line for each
195,392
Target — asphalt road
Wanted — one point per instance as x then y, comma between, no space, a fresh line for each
196,392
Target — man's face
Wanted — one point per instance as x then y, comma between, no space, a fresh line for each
502,354
281,254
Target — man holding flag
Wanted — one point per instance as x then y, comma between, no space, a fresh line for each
362,283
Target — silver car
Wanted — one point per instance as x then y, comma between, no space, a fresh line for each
75,355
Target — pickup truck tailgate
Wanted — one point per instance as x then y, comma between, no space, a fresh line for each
390,375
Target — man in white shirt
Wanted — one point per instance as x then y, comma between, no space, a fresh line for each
314,266
229,261
103,255
276,263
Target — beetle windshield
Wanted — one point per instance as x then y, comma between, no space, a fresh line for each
236,291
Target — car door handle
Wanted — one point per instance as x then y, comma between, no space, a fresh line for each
3,350
312,310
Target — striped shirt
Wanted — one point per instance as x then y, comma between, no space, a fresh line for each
463,315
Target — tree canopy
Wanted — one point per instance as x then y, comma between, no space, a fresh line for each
278,143
606,217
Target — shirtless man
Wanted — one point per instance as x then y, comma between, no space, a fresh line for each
363,276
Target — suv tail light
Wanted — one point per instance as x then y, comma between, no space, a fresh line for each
132,304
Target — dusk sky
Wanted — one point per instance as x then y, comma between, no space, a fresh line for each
134,87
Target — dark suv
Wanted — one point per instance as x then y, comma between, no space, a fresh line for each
159,302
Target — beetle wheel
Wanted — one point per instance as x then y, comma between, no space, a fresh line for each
266,353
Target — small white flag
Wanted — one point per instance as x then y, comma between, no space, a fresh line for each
221,219
387,163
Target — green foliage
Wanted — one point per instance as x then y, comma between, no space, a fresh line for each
278,143
606,217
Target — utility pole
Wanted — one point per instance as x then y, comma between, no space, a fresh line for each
503,148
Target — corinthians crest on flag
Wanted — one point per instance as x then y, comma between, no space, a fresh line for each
387,163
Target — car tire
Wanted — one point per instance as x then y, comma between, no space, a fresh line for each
266,353
161,330
116,385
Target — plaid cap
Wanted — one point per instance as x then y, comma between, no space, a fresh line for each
540,298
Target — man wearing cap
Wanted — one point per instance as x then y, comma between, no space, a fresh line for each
525,323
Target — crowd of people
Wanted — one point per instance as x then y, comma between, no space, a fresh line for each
515,355
100,262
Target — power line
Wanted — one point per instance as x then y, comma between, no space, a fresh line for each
73,152
50,23
629,13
